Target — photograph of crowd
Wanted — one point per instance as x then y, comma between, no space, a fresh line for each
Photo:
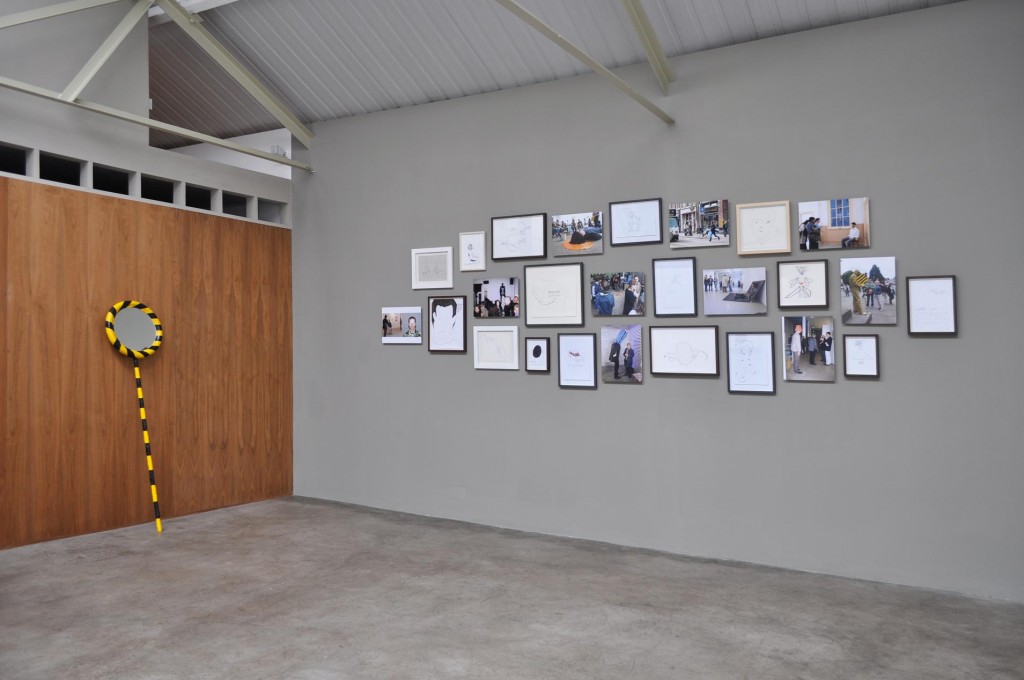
622,354
868,291
807,349
834,223
618,294
496,298
698,225
578,234
735,292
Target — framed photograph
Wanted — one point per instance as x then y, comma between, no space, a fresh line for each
554,294
431,268
622,355
446,329
472,251
869,291
762,228
675,286
635,222
578,234
698,224
807,349
618,294
834,223
577,360
751,358
496,298
931,306
860,356
684,350
538,355
401,325
803,284
519,237
735,292
496,348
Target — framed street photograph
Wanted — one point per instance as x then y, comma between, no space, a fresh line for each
740,291
675,291
635,222
807,349
684,350
751,361
618,294
834,223
538,355
622,355
868,291
931,306
432,268
698,224
472,251
496,348
519,237
401,326
577,234
860,356
554,294
577,360
762,228
446,324
803,284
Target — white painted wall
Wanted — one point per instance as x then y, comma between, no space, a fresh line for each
264,141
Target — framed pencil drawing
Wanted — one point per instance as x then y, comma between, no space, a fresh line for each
675,286
496,348
577,361
931,306
472,252
860,356
554,294
762,228
684,350
538,355
635,222
519,237
431,268
446,324
751,362
803,284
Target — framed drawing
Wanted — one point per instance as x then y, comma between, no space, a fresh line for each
618,294
869,291
472,251
622,355
519,237
860,356
446,329
635,222
538,355
698,224
735,292
834,223
675,286
577,360
684,350
496,298
401,326
554,294
432,268
578,234
807,349
931,306
803,284
496,348
751,359
762,228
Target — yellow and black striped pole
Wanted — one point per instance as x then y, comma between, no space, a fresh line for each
145,440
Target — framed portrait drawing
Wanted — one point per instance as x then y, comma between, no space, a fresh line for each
751,362
401,326
538,355
519,237
472,251
762,228
860,356
577,234
684,350
675,286
635,222
577,360
554,294
496,348
446,324
432,268
803,284
931,306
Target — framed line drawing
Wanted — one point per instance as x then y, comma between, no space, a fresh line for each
519,237
496,348
762,228
577,361
446,329
931,306
684,350
803,284
432,268
472,251
554,294
860,356
675,286
635,222
751,361
538,355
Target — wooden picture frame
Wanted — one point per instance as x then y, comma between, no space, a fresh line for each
763,228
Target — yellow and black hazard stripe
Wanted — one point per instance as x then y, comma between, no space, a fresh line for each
112,334
145,440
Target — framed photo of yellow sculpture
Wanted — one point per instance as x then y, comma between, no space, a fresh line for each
868,291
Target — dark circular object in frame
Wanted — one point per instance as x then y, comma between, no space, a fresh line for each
537,351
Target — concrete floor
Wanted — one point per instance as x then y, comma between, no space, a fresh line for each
294,589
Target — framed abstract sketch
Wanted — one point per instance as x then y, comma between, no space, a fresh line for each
635,222
446,324
860,356
431,268
554,294
496,348
538,355
803,284
577,360
675,292
519,237
472,253
931,306
684,350
751,362
762,228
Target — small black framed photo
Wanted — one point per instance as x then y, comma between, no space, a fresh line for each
931,306
635,222
538,355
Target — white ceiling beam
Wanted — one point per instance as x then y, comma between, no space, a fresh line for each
190,24
157,16
553,36
112,42
655,54
51,11
52,95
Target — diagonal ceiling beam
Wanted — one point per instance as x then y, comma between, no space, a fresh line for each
51,11
190,24
553,36
112,42
655,54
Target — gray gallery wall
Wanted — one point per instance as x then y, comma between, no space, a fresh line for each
914,479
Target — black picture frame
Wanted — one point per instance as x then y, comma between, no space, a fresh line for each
530,344
526,239
446,343
693,359
852,359
663,305
575,376
802,290
619,230
751,371
931,306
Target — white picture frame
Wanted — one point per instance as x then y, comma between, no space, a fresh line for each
472,251
684,350
519,237
496,348
553,294
432,268
763,228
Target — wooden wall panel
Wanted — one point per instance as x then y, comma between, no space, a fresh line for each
218,392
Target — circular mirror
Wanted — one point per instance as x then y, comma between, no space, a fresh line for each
134,329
